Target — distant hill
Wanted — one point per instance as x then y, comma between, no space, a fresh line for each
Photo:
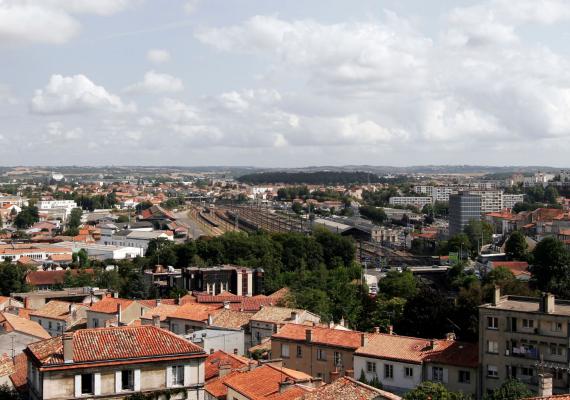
310,178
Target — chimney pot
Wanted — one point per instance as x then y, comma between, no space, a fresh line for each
496,295
210,320
390,329
376,329
156,320
226,305
548,303
67,340
363,339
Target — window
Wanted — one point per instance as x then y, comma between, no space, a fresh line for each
127,379
49,325
556,326
370,367
236,351
527,371
437,374
178,375
299,351
285,350
556,350
492,371
492,323
337,358
321,355
464,377
492,347
389,371
528,323
95,323
408,372
87,384
174,328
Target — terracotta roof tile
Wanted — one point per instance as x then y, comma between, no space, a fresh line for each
20,376
12,323
262,382
108,305
116,343
6,365
348,389
322,335
37,278
217,387
219,358
232,319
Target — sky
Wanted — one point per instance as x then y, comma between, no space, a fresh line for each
275,83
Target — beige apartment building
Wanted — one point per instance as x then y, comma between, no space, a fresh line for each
522,337
114,363
320,352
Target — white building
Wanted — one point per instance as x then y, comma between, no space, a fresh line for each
418,202
230,341
130,238
13,200
509,200
100,251
58,206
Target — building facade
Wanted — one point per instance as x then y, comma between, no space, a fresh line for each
463,207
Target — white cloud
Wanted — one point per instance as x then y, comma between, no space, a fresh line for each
73,94
154,82
158,56
49,21
190,6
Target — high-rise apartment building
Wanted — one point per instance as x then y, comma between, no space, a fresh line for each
463,207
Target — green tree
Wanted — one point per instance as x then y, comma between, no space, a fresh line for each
433,391
479,233
375,214
512,389
27,217
297,207
12,278
550,264
551,195
398,284
426,315
516,246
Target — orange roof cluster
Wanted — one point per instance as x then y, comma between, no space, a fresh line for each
14,323
221,358
42,278
264,381
61,310
418,350
109,305
321,335
518,268
114,344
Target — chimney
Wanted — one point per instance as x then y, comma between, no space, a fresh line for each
334,375
119,314
390,329
376,329
156,320
544,385
363,339
67,340
224,370
450,336
116,295
72,309
331,324
226,305
349,373
210,320
432,344
548,303
496,295
294,316
309,335
342,323
158,302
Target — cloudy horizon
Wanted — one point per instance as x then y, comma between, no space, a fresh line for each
274,84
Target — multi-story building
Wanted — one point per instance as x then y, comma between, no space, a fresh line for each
13,201
133,238
418,202
54,207
270,320
401,363
114,363
237,280
321,352
36,252
114,311
509,200
463,207
522,336
491,200
58,317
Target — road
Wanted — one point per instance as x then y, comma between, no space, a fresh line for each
194,228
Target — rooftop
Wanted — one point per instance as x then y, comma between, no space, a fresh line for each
321,335
528,304
348,389
113,344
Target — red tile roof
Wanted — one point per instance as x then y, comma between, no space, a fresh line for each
348,389
42,278
20,376
516,267
114,344
321,335
14,323
219,358
108,305
418,350
217,387
263,381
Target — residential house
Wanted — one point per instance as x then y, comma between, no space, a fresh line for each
321,352
401,363
114,363
348,388
58,317
114,311
48,280
269,320
213,339
17,332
